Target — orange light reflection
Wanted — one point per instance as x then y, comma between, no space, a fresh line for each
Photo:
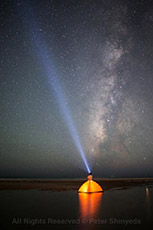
89,204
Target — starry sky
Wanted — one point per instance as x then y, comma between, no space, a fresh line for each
102,52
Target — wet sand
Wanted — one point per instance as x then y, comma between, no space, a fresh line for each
70,184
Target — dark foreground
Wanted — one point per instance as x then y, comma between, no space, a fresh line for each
55,204
69,184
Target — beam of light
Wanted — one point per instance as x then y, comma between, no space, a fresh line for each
45,60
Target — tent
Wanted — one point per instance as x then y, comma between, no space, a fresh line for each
90,186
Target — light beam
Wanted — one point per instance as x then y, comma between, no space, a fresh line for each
46,62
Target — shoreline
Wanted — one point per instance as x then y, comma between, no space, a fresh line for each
70,184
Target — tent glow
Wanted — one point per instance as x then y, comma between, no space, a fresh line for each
90,186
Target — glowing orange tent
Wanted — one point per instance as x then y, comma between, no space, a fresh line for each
90,186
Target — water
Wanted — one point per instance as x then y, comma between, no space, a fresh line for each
114,209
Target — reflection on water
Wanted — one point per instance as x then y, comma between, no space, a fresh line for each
89,204
148,203
116,209
147,194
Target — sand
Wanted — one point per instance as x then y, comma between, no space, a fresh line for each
70,184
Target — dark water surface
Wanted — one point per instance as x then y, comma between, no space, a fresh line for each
114,209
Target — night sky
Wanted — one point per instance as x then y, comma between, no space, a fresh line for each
102,53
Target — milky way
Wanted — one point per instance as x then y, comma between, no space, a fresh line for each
102,52
115,113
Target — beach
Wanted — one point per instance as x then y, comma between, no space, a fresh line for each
71,184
